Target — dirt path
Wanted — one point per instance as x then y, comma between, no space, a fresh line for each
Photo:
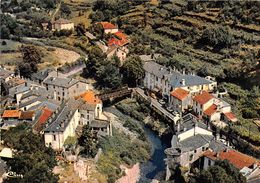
55,12
132,174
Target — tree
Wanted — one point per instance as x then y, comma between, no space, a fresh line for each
31,57
31,159
133,70
96,58
219,37
65,10
88,140
109,76
80,29
221,172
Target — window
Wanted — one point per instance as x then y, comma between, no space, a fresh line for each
195,151
191,156
77,85
203,148
209,162
87,116
82,116
54,137
63,93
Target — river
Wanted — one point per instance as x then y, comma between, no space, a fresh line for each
156,163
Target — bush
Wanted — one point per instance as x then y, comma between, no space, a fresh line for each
63,32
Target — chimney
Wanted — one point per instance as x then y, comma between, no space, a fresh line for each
178,127
183,82
217,154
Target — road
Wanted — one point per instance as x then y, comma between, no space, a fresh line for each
155,103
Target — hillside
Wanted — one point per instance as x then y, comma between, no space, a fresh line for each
183,33
217,38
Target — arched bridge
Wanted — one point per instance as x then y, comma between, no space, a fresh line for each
118,93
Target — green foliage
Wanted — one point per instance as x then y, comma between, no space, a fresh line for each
108,76
219,37
31,159
133,70
63,32
31,57
88,140
103,70
65,10
8,26
222,171
119,149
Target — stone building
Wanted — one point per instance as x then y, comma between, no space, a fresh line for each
62,24
64,88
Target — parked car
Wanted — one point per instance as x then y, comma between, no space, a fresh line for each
161,101
169,109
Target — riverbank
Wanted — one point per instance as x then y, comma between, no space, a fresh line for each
153,169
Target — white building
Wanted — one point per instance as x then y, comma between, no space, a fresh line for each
62,24
164,80
109,27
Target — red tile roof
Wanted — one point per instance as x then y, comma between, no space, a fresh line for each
180,93
203,98
236,158
27,115
230,116
90,97
46,113
11,114
117,42
211,110
107,25
121,35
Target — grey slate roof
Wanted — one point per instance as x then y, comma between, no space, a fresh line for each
5,73
97,123
156,69
41,75
190,80
40,99
217,146
189,121
195,142
62,82
60,119
50,105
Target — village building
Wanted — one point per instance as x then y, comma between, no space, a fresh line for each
62,24
69,118
64,88
109,27
202,102
13,85
246,164
187,152
92,106
5,75
61,125
40,121
11,114
180,100
161,79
